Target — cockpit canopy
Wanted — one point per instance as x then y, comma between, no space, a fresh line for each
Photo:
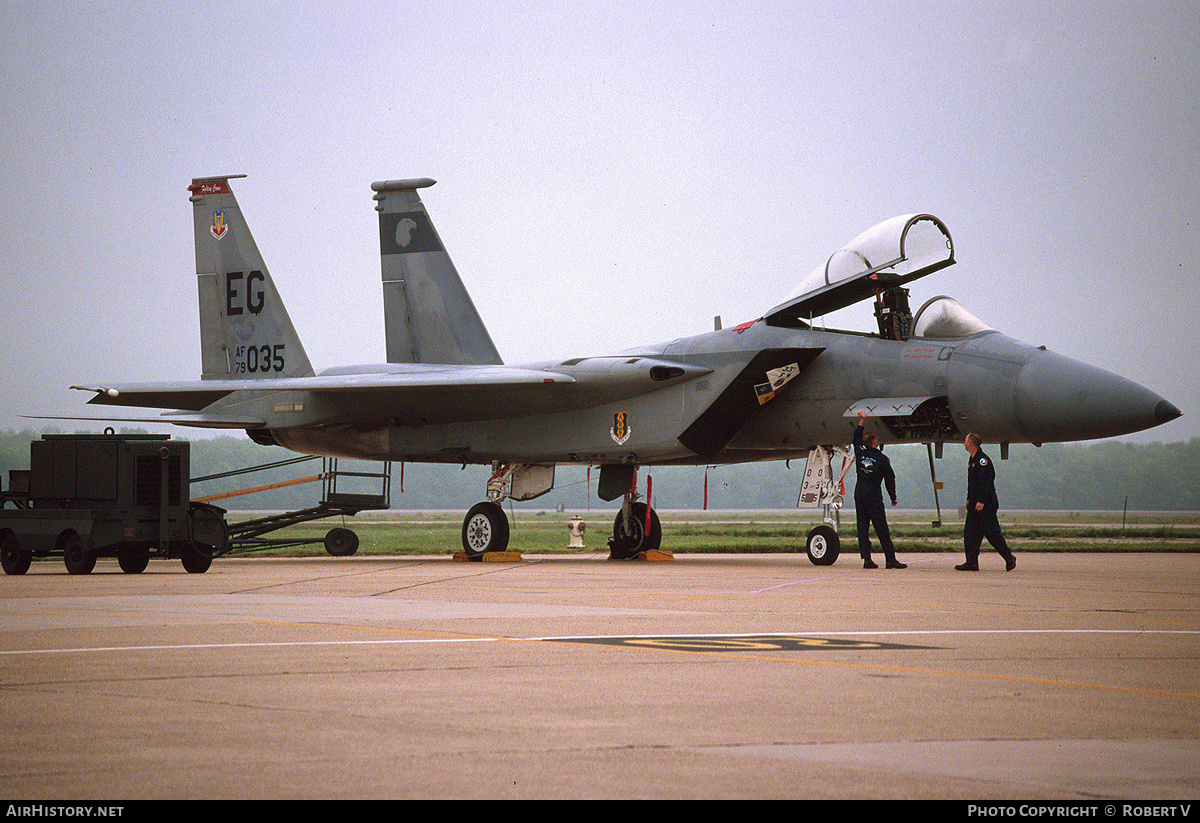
885,256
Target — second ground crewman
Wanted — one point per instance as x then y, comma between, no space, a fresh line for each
873,469
982,504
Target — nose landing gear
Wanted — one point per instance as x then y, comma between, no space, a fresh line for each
821,489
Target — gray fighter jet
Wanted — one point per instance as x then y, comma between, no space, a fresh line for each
772,389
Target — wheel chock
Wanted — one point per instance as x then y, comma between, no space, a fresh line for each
651,555
490,557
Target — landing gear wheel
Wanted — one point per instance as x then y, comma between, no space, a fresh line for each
12,558
76,558
630,539
822,545
485,529
133,561
341,542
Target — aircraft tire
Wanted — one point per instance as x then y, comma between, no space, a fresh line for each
485,529
12,559
629,543
822,545
341,542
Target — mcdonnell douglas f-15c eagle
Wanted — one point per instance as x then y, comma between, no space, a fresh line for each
772,389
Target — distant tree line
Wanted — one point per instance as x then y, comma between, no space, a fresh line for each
1056,476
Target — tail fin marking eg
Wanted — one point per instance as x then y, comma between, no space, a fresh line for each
245,331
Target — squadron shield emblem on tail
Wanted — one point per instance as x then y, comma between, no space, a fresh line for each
218,227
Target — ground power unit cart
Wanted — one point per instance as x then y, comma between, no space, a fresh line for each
87,496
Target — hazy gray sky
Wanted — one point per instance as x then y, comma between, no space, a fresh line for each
609,174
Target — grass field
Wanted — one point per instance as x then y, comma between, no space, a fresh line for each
726,532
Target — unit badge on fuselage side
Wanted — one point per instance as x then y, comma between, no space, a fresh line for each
621,429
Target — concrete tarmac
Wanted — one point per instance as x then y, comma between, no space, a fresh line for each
1073,677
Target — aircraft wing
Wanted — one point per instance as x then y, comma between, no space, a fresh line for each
890,254
410,393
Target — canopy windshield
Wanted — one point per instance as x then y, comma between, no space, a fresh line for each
945,318
890,254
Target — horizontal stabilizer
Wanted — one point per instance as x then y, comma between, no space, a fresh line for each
204,421
192,395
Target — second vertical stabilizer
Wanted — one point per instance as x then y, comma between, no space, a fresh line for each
428,314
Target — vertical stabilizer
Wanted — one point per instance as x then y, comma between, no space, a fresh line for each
428,315
245,331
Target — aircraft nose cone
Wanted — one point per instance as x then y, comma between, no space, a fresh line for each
1063,399
1165,412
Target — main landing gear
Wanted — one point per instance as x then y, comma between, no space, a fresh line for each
485,528
635,530
822,545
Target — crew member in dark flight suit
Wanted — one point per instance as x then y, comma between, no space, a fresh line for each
873,468
982,504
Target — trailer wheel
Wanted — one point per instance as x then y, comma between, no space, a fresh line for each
133,561
341,542
76,558
195,561
12,558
